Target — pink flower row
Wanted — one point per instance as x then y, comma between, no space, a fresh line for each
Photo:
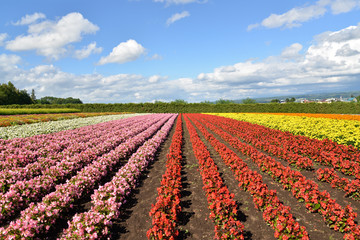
108,199
21,151
22,193
76,146
38,218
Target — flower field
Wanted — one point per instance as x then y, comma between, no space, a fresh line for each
340,130
180,176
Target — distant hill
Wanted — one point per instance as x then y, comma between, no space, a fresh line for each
307,96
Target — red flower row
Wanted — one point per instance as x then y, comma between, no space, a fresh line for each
336,217
290,147
221,203
275,213
351,187
167,207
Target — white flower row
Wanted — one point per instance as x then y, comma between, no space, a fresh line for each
27,130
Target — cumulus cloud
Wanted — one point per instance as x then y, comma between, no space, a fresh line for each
29,19
298,15
87,51
176,17
50,39
124,52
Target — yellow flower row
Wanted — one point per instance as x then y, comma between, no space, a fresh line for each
341,131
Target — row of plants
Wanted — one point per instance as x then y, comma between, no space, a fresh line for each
275,213
183,107
11,120
222,206
40,217
304,190
19,152
108,199
165,211
321,115
343,158
78,146
351,187
24,192
22,131
341,131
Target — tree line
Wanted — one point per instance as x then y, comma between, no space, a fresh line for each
10,95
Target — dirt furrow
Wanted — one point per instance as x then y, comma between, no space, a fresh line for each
194,218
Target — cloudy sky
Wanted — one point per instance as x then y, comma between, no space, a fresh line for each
195,50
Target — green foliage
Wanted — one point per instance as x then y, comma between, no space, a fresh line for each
162,107
181,101
55,100
11,95
275,100
248,101
224,101
290,100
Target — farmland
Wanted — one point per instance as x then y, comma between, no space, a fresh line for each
181,176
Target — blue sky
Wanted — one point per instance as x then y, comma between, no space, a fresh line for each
196,50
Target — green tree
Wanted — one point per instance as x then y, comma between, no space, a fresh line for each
223,101
33,97
9,94
290,100
179,101
275,100
248,101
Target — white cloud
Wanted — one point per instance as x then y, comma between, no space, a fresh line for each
3,36
87,51
124,52
155,57
156,78
298,15
50,39
8,65
343,6
29,19
294,17
176,17
292,52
